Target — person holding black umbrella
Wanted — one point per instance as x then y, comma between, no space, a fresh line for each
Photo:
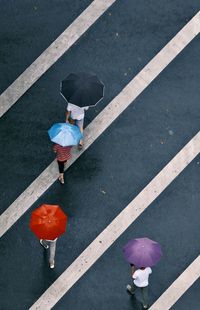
75,115
81,90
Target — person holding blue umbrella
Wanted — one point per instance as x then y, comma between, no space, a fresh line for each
63,154
64,136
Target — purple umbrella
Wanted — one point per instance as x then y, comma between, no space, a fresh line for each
142,252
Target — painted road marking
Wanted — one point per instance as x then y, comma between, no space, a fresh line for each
113,231
80,25
178,287
103,120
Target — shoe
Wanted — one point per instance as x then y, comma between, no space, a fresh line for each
62,181
52,265
129,289
44,246
80,146
145,307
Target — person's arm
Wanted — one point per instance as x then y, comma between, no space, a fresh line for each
67,116
133,269
54,148
135,275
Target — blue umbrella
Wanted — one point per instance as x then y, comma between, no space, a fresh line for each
65,134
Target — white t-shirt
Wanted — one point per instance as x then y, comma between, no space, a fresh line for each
141,277
76,112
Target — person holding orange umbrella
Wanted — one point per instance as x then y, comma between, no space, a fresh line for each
48,222
52,245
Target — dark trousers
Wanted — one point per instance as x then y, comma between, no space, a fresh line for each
61,165
144,291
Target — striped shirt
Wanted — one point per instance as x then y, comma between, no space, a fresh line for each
62,152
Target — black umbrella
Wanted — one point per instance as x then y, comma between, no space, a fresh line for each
82,89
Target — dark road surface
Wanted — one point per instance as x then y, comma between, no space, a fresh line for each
143,139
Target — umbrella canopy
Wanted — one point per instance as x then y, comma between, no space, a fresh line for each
82,89
142,252
48,222
65,134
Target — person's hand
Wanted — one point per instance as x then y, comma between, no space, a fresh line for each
133,269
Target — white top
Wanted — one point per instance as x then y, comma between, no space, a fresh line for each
141,277
76,112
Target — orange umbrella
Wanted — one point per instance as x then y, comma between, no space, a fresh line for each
48,222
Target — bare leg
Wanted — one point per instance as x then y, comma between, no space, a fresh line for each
81,141
79,123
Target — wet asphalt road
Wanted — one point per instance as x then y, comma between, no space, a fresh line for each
117,166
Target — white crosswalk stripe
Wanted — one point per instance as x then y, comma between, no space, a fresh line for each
178,287
80,25
110,234
131,212
104,119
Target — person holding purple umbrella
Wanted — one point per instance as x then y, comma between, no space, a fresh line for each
140,280
143,253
